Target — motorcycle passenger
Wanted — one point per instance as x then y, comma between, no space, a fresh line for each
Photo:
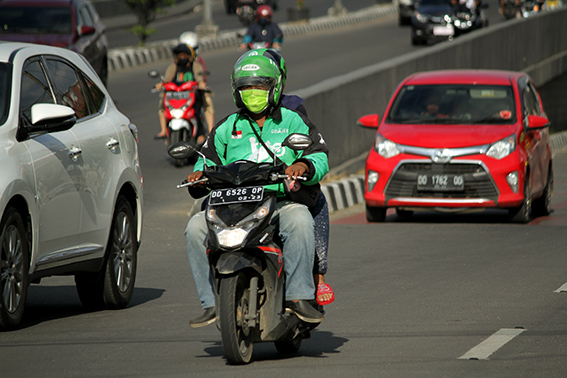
184,68
192,39
320,211
263,30
256,88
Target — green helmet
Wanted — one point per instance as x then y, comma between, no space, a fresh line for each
273,55
256,70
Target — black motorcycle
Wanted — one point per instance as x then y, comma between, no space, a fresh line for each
245,255
245,9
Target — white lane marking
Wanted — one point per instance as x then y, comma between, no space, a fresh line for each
562,289
483,350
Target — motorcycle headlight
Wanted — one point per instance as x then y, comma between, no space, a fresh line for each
423,18
231,237
385,148
176,113
502,148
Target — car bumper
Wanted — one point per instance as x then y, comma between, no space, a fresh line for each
485,182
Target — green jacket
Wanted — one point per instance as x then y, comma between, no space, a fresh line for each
232,139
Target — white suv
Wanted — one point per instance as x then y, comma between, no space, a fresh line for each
70,183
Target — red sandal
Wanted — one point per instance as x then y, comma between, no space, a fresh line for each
324,288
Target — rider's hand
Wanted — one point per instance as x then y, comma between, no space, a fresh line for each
243,46
159,85
195,176
295,170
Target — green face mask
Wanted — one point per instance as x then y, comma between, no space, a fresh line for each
255,100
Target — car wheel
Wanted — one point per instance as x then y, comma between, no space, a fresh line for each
523,213
375,214
113,286
542,205
14,266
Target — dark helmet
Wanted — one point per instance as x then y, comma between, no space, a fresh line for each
184,48
264,11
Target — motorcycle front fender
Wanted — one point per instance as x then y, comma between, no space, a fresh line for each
229,263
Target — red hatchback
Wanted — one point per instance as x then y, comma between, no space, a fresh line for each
460,140
71,24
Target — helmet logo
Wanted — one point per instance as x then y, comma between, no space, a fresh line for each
251,67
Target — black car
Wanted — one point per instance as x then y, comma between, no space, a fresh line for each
432,22
405,11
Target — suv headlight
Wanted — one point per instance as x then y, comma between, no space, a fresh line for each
502,148
385,148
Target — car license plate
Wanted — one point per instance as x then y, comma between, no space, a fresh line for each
444,183
446,30
234,195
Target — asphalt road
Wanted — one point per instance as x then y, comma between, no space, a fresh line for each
413,296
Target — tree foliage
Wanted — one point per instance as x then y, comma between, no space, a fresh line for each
146,12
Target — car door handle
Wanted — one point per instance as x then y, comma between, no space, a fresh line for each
74,153
112,144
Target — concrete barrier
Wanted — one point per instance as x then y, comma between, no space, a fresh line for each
536,45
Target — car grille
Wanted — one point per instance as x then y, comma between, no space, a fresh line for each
478,183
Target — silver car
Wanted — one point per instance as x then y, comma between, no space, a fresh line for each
70,183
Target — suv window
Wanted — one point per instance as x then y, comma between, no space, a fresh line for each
35,89
68,88
531,103
5,89
96,95
85,18
38,19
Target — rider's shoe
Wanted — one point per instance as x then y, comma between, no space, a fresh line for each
208,317
305,311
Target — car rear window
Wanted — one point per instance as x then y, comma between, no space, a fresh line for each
40,19
453,104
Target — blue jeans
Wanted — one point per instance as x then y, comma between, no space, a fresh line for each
296,230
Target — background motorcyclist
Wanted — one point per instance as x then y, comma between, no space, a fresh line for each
184,68
263,30
256,87
192,39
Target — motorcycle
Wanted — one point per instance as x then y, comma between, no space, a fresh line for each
466,20
182,113
529,8
510,9
245,9
245,255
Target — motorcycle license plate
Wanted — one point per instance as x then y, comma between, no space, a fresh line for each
235,195
445,183
446,30
178,95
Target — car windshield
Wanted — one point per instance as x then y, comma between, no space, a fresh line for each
453,104
22,20
4,91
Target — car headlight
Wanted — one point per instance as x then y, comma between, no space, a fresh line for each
385,148
231,237
423,18
502,148
406,2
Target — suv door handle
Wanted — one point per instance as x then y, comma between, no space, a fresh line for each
112,144
74,153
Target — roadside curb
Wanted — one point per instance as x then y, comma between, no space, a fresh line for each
349,191
128,57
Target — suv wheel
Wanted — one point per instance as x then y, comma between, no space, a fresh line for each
113,286
14,266
523,213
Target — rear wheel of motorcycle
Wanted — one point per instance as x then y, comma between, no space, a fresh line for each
233,308
288,347
176,137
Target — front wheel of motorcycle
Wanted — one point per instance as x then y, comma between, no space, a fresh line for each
234,307
177,136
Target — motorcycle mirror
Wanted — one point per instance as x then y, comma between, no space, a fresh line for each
183,150
297,141
153,74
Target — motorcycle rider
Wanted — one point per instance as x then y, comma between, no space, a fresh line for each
184,68
320,211
263,30
192,39
256,87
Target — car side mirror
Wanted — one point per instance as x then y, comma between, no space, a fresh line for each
153,74
50,118
87,30
538,122
370,120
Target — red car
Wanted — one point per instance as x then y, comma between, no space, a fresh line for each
71,24
459,140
